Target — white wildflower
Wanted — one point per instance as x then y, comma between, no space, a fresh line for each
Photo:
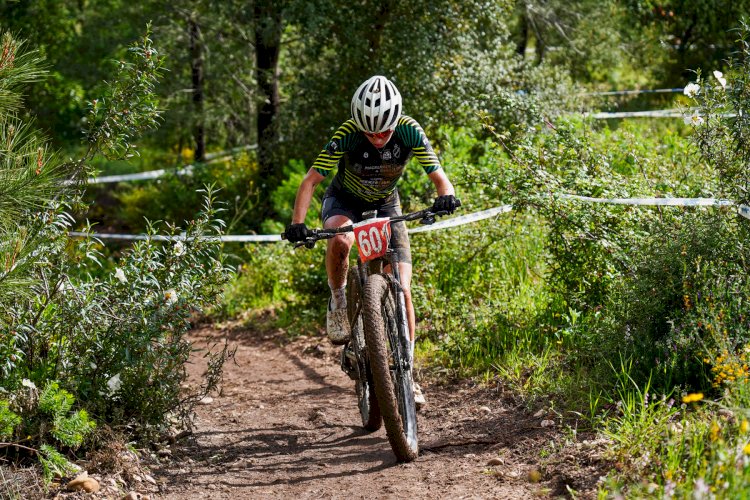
120,275
694,119
720,76
179,248
170,296
691,89
700,489
28,383
114,384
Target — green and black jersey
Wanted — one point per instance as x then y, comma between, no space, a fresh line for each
368,173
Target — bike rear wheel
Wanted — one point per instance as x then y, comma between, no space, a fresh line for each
389,356
363,385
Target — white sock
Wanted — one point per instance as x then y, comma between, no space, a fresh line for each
338,296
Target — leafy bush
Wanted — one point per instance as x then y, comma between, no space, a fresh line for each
105,346
684,298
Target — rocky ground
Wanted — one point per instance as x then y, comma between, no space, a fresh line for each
286,425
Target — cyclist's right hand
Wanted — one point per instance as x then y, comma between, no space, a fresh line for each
297,232
446,203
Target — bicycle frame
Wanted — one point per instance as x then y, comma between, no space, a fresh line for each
374,267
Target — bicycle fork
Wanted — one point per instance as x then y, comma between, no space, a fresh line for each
401,316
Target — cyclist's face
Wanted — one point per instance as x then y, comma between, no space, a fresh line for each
380,139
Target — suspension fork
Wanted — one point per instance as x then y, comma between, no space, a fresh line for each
401,317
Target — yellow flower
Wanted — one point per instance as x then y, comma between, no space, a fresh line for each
715,428
744,426
692,398
746,449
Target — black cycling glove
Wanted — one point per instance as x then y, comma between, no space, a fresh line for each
296,232
446,203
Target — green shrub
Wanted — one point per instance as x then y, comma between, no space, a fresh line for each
105,339
8,420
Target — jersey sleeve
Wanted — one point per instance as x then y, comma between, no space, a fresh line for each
414,137
343,140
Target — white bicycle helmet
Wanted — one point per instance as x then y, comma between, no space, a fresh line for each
376,105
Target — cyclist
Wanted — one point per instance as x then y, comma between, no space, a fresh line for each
370,151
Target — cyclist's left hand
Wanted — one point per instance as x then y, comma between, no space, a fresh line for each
447,203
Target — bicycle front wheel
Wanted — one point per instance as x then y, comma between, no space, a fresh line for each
388,348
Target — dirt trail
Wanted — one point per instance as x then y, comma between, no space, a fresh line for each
286,425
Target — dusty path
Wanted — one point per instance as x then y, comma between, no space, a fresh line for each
286,425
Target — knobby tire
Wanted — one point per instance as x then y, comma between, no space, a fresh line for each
393,387
366,398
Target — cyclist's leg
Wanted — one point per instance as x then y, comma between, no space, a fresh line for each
336,214
337,253
404,270
337,266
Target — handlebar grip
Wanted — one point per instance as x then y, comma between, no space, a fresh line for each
283,236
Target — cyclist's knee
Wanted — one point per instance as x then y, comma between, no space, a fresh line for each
340,245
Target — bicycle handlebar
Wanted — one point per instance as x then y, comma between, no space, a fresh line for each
426,217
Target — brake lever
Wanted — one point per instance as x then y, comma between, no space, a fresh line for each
427,220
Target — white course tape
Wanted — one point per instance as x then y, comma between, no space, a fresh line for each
657,113
155,174
463,219
160,237
140,176
456,221
635,92
670,202
742,210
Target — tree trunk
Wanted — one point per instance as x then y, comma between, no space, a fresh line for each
196,66
522,37
268,30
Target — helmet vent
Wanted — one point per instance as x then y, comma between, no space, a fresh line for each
385,116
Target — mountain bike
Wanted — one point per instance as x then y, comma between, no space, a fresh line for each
379,355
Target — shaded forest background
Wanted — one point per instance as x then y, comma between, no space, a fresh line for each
279,74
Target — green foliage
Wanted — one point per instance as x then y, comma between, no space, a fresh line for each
682,300
54,401
175,198
48,415
107,344
54,463
18,67
673,36
129,105
72,430
8,420
69,430
720,123
127,331
291,281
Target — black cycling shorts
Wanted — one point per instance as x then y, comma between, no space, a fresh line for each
336,202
